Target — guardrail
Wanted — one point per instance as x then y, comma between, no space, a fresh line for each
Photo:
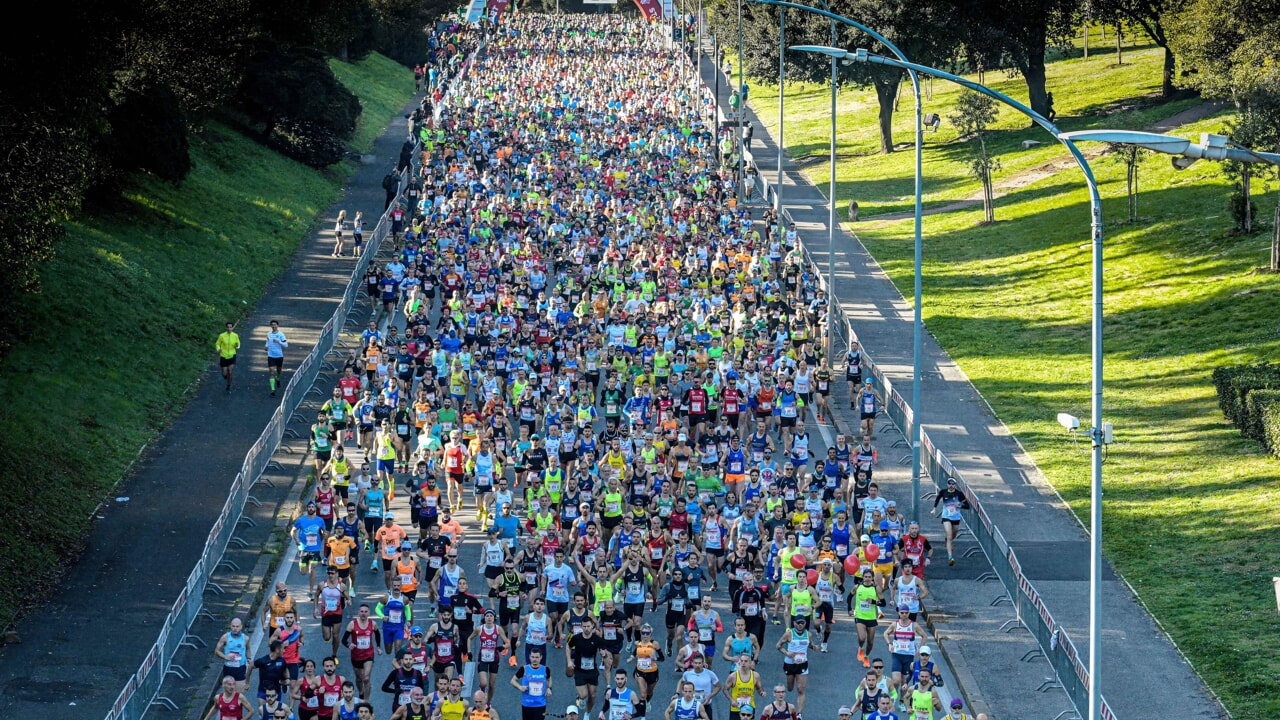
142,690
1029,607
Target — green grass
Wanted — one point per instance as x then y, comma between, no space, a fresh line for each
1192,516
126,320
383,86
1087,94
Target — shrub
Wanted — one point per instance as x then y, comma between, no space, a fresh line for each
1271,427
1233,385
1256,406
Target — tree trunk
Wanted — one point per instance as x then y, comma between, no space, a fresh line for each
1275,238
1086,38
988,197
1119,46
886,92
1248,203
1166,78
1033,72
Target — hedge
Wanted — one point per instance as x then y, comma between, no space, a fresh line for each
1234,384
1255,409
1271,427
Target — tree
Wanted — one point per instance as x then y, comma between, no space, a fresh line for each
1153,16
974,113
920,29
1016,33
1131,156
1236,58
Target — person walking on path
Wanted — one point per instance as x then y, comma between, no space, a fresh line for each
228,344
391,183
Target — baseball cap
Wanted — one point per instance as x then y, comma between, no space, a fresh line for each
866,538
389,516
951,481
905,608
572,710
415,630
844,710
926,651
406,546
884,524
957,703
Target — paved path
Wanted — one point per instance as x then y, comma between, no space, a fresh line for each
1140,662
80,648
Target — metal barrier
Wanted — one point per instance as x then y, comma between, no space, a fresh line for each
143,688
1031,612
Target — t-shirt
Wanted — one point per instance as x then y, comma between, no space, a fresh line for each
228,343
309,530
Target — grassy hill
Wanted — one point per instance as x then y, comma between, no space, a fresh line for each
1192,509
122,322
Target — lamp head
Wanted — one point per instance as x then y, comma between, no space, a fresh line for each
821,50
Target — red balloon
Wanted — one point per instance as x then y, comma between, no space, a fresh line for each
813,577
798,560
873,552
851,565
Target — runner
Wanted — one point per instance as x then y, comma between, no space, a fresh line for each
952,501
276,343
227,345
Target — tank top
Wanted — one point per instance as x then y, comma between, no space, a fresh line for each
904,639
909,594
361,641
798,646
536,630
230,709
444,644
393,611
234,649
744,691
330,692
921,705
490,641
686,709
452,709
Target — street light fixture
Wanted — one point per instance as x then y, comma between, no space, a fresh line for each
1098,433
917,319
1184,152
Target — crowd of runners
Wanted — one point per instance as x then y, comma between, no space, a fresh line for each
602,375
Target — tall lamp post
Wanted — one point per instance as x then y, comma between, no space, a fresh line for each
1096,432
917,318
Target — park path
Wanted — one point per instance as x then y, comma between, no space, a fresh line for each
1044,170
1140,662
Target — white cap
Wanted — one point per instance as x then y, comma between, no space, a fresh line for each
926,651
572,709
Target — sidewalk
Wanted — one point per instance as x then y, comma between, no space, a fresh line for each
80,649
1140,663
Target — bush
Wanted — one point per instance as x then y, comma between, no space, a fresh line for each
1233,385
1256,407
1271,427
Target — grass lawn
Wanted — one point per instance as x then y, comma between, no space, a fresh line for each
383,86
146,283
1089,93
1192,508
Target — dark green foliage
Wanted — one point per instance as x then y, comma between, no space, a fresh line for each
305,112
149,132
1255,409
1271,427
1233,385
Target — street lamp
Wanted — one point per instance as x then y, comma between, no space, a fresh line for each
1184,152
1096,433
917,320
